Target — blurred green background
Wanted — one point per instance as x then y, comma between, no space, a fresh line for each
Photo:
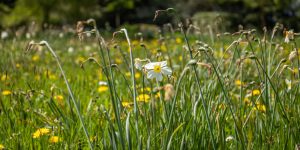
113,13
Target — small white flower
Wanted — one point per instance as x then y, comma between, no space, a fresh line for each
70,49
138,64
229,138
102,83
61,35
157,69
289,84
4,35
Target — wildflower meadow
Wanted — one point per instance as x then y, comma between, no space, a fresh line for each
185,87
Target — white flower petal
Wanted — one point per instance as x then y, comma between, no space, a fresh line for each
166,71
159,77
150,66
151,74
163,63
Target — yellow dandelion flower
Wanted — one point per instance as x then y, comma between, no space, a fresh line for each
39,132
145,89
18,65
163,48
127,74
256,92
180,58
238,83
137,75
118,60
157,95
52,77
143,98
127,104
102,88
260,107
2,147
178,40
6,92
58,97
5,77
35,58
54,139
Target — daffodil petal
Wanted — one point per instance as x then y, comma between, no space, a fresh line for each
150,66
151,74
159,77
166,71
163,63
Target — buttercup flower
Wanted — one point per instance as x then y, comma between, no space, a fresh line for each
6,92
40,132
54,139
157,69
2,147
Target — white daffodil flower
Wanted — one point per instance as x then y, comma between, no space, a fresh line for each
157,69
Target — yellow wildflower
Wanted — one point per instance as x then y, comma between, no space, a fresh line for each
35,58
4,77
180,58
260,107
54,139
157,95
163,48
239,83
102,88
145,89
18,65
137,75
255,92
143,98
58,97
127,74
178,40
39,132
2,147
127,104
6,92
118,61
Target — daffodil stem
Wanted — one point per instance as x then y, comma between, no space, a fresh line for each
70,92
136,110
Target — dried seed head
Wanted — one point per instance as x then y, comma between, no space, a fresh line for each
293,55
289,36
169,91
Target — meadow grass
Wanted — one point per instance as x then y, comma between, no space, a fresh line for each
230,91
